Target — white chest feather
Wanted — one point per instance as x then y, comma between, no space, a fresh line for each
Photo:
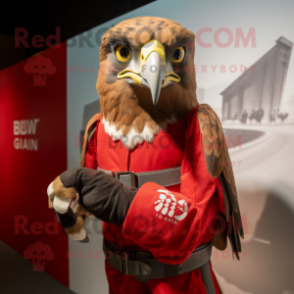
132,138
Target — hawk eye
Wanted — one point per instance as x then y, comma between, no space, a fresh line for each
179,55
123,53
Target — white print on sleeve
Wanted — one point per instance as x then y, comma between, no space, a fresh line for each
167,204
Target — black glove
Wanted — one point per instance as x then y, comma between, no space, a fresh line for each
99,193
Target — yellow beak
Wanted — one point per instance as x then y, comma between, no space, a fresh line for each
152,70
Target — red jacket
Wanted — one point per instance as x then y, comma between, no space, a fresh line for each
171,233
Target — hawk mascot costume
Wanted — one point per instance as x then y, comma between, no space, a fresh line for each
155,167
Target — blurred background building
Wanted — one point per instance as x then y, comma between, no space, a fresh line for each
261,86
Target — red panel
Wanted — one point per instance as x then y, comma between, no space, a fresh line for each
33,91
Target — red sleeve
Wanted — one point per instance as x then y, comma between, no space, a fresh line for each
169,224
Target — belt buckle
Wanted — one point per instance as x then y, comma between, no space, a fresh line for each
123,262
126,177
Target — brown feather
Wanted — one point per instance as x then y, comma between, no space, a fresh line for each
212,132
62,192
220,240
219,166
92,122
50,204
126,105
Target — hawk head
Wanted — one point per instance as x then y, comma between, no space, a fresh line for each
146,77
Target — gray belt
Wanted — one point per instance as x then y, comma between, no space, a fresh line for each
163,177
143,265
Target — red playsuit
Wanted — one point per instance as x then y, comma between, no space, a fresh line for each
168,222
